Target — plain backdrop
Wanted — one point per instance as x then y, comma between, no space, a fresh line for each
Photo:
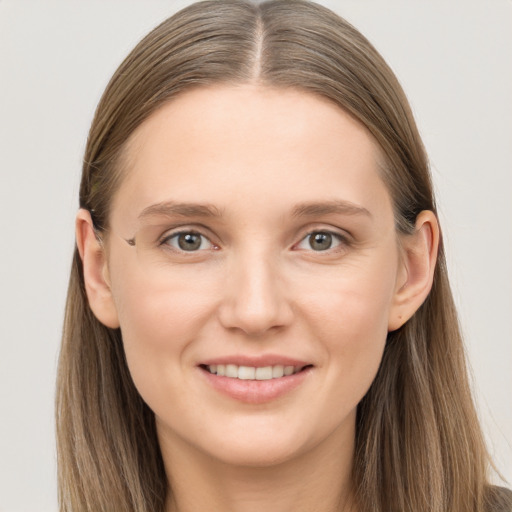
454,60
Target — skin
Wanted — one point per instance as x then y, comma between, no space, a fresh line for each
255,286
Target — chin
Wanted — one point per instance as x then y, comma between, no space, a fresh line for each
241,442
262,444
257,455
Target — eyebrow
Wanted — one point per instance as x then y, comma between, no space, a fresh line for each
307,209
337,206
171,208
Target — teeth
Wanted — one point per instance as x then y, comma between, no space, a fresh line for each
251,373
232,370
277,371
263,373
288,370
246,372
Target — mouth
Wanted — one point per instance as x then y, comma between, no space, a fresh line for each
259,373
256,379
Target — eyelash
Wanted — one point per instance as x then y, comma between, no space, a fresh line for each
165,240
342,241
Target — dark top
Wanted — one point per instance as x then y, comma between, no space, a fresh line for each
500,499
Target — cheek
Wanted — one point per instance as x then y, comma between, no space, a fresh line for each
158,308
355,298
350,316
159,320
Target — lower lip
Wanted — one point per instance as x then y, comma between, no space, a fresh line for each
256,391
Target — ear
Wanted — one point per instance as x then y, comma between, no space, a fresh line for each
416,272
96,277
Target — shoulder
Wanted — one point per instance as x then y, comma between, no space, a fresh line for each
499,499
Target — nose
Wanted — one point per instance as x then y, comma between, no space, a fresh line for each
255,299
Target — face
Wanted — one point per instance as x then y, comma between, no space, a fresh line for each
253,264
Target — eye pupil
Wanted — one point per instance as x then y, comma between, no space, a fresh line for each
189,241
320,241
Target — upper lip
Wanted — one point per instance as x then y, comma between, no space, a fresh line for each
256,361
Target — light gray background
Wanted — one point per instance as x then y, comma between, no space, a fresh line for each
454,60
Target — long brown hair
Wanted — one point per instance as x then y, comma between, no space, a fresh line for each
418,442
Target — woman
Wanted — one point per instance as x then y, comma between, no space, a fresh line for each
259,315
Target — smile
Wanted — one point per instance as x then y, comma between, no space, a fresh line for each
234,371
266,379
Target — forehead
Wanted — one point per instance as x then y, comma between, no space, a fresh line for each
238,145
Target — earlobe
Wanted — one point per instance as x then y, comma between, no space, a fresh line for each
95,270
416,275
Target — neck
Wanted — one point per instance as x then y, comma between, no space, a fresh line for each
318,480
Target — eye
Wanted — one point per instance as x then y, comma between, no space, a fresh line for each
321,241
189,241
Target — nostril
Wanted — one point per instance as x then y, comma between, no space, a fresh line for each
254,301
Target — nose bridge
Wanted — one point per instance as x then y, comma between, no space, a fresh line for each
254,297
